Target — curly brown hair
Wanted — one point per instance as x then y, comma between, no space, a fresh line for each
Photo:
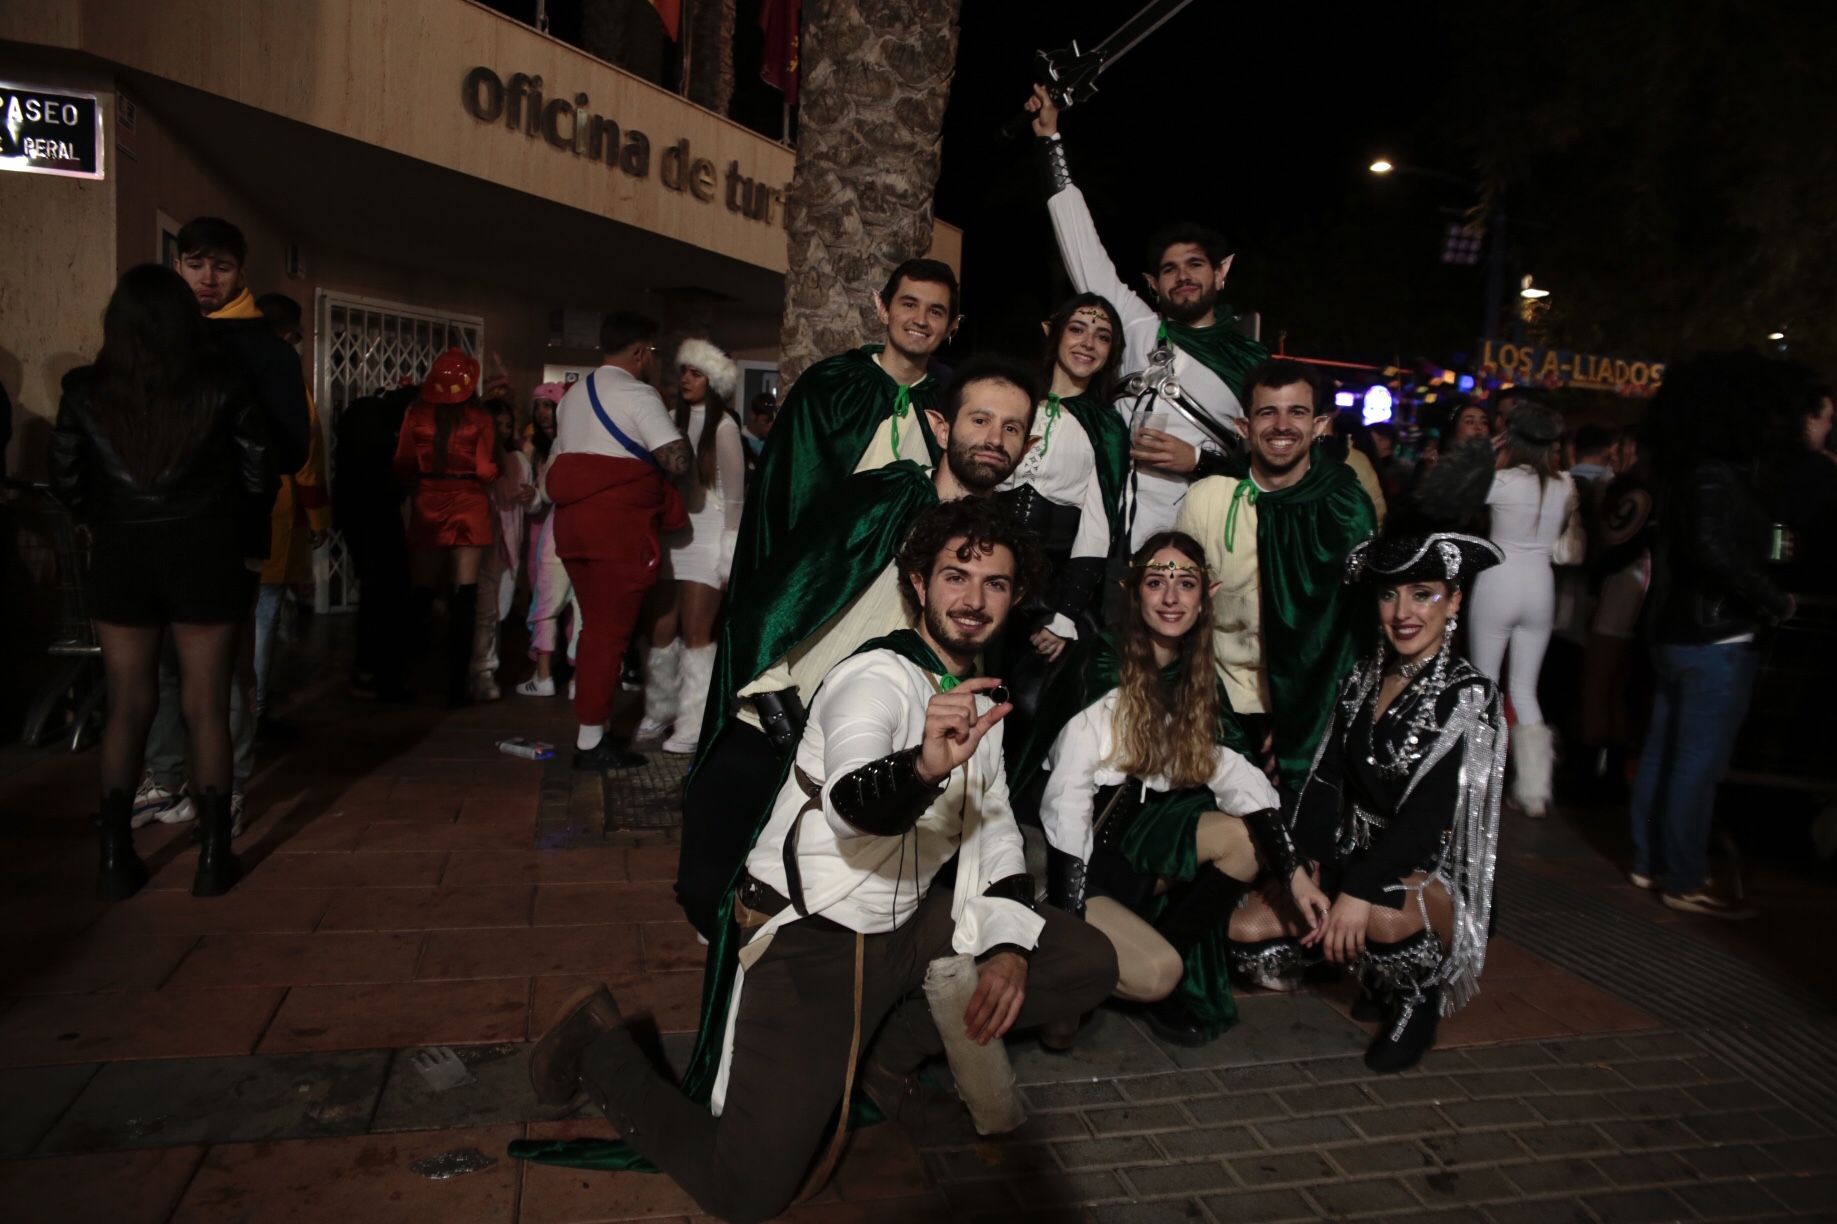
981,523
1162,730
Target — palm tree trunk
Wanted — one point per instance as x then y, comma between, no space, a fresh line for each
875,79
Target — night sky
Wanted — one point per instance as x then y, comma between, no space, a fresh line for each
1258,120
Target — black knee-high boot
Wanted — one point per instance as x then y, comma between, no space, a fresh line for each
1202,906
218,866
122,874
1401,976
461,611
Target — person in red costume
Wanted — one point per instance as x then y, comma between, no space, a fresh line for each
611,475
447,455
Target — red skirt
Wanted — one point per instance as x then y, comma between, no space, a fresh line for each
449,514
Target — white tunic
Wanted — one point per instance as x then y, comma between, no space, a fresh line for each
1062,468
1156,496
869,706
1080,766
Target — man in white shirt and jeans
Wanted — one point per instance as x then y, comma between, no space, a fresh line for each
898,770
617,453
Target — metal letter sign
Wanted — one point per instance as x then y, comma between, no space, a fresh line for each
50,131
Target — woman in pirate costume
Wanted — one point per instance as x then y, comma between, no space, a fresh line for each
1067,489
1155,824
1401,809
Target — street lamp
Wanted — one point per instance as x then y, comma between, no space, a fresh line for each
1778,335
1492,206
1530,291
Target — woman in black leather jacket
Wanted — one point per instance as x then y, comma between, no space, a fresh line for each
161,452
1711,595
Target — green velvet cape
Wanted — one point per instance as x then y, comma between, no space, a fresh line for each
1109,435
851,533
818,437
717,984
1314,626
1220,348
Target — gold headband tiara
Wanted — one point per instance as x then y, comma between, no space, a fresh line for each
1173,567
1094,314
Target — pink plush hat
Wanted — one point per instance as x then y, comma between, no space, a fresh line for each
552,392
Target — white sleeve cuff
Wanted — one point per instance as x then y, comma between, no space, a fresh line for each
1062,625
988,922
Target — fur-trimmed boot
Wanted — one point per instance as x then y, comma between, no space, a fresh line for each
662,682
1533,760
697,674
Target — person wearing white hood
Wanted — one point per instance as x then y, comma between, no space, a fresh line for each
681,659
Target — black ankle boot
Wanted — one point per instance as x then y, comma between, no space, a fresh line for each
1203,905
461,612
1368,1007
1408,1032
218,866
122,873
1175,1023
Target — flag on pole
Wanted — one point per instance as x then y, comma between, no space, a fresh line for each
670,11
778,21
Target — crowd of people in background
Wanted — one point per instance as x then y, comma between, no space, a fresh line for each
1264,680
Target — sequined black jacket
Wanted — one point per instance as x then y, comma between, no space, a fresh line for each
1352,816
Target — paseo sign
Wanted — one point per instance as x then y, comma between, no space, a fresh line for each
1547,367
50,131
567,125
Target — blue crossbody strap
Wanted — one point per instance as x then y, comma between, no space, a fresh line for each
593,397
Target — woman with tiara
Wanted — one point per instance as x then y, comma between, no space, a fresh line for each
1400,814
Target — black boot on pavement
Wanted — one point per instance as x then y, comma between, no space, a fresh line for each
218,866
606,755
1408,1032
122,873
1202,906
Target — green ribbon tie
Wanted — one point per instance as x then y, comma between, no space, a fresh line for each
1246,491
902,405
1052,414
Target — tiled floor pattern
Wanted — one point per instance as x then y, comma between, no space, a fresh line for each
252,1058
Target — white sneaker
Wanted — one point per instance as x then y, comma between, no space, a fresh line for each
537,686
179,813
237,810
650,729
150,801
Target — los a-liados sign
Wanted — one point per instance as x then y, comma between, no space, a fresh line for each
1547,367
567,125
50,131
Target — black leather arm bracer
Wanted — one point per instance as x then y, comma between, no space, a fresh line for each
1065,881
1016,887
1079,579
885,797
1057,174
1274,846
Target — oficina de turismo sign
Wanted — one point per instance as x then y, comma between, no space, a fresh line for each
50,131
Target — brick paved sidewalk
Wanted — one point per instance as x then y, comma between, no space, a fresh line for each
254,1058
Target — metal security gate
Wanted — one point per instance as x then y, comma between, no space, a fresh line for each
363,346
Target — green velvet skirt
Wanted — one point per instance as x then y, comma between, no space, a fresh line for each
1163,841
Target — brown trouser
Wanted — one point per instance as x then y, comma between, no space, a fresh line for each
791,1041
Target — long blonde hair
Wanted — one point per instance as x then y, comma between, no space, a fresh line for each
1161,730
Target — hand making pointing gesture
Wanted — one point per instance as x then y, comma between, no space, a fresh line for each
952,728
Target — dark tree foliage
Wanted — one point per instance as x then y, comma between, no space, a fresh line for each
1675,161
